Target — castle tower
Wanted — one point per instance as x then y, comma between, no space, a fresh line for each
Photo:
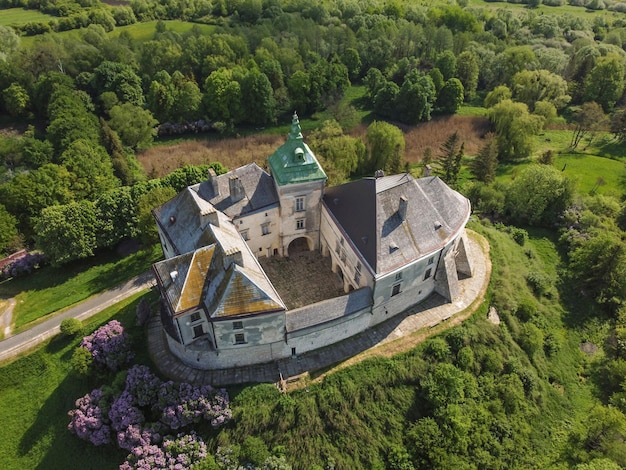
299,180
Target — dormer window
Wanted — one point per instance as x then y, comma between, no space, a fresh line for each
298,155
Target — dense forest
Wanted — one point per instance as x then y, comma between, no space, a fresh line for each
83,90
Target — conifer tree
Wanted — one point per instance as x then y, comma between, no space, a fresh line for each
484,165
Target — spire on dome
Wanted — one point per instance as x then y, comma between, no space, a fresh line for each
296,130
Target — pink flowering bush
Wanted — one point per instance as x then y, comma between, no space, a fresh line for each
109,345
184,404
100,418
89,420
175,453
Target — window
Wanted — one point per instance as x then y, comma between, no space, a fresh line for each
300,224
300,204
265,229
197,331
395,290
431,260
343,255
399,276
240,338
195,316
244,235
237,325
358,266
337,247
357,277
427,273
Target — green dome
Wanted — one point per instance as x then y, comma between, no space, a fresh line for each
293,162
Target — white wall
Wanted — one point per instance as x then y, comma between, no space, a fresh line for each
261,245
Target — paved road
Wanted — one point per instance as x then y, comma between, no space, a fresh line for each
15,345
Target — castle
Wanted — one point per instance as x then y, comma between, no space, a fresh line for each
393,240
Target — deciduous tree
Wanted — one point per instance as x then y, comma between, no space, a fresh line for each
385,144
515,128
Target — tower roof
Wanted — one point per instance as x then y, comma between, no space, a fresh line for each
294,162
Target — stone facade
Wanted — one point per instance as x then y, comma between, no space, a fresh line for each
393,241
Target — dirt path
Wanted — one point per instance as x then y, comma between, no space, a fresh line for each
6,316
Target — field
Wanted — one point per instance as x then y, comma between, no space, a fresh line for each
19,16
145,31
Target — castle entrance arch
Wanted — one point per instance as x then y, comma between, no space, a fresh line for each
299,245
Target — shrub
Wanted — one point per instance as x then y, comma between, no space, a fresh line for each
179,452
538,282
81,361
109,346
71,326
89,419
519,235
438,349
531,338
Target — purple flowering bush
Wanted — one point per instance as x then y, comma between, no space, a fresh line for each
175,453
109,345
185,404
125,416
23,265
89,420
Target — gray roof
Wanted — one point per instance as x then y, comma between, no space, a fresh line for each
258,188
183,220
328,310
368,212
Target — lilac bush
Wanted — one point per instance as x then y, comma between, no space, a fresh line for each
185,404
178,453
89,420
143,385
23,265
109,345
137,436
123,413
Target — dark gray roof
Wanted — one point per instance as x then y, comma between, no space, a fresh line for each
328,310
258,187
368,212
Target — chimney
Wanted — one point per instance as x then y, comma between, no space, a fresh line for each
236,189
379,174
213,182
427,170
209,216
233,256
404,202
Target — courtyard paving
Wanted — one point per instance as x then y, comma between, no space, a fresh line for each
400,332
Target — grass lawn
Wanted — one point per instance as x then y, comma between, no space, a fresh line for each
19,16
38,390
52,289
145,31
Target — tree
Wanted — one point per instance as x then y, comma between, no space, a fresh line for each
605,82
599,266
341,154
116,213
483,166
499,93
9,42
468,71
515,128
134,125
257,95
386,147
352,60
451,96
530,86
26,195
416,98
589,119
66,233
299,86
387,97
450,158
446,63
222,97
90,168
551,194
16,100
120,79
145,204
9,236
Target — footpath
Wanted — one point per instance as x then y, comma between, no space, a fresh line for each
13,346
